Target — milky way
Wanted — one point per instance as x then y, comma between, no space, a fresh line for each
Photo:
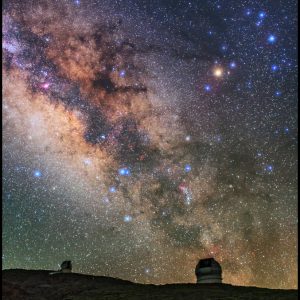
140,136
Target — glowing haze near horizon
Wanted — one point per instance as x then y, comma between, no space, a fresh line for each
140,136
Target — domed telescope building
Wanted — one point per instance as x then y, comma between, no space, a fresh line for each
66,266
208,270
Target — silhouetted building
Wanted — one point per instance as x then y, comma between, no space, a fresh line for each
208,270
66,266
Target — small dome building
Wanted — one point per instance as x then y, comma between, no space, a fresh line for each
208,270
66,266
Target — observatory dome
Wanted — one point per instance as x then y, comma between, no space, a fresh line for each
208,270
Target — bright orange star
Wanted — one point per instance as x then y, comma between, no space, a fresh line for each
218,72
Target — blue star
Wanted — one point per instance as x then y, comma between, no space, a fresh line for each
277,93
286,129
232,65
248,12
269,168
224,47
37,174
187,168
262,14
127,218
124,172
271,39
122,73
274,68
112,189
207,87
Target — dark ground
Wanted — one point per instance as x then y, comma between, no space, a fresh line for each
39,285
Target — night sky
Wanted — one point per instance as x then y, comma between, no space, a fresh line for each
140,136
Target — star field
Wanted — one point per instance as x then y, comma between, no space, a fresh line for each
140,136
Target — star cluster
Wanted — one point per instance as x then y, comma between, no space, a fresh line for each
140,136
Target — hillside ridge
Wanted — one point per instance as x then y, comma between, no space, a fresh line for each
39,284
